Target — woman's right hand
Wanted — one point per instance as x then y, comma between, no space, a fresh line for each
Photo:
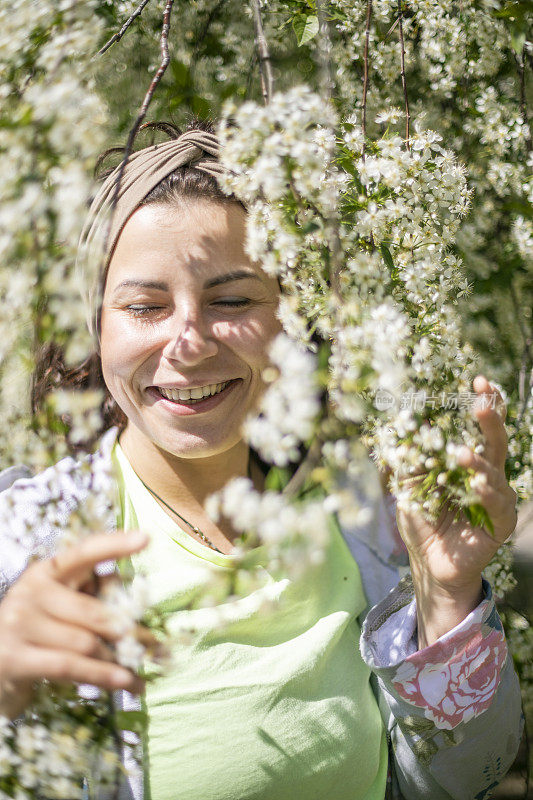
51,629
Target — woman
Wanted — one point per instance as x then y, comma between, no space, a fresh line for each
276,706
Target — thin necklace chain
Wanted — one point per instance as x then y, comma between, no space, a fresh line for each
194,528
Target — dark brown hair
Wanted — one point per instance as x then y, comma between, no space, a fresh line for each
50,371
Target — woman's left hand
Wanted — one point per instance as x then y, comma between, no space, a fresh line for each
447,557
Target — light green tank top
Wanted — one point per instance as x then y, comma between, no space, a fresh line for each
278,704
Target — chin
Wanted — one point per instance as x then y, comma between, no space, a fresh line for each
190,445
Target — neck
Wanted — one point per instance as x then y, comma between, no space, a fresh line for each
185,483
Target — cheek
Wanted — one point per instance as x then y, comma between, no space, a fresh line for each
122,347
249,339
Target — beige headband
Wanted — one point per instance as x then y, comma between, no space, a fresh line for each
144,170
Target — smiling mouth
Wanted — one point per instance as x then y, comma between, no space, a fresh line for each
172,395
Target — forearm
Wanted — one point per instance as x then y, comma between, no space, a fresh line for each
439,609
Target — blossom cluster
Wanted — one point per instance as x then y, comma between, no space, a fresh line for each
51,122
68,732
50,755
392,325
292,535
287,409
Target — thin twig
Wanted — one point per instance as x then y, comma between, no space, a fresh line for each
404,82
527,358
165,59
521,66
117,36
253,61
265,65
392,27
335,254
324,53
365,75
526,337
312,459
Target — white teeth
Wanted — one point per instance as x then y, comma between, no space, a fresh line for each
193,394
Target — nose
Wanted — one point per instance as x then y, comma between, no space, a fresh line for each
191,343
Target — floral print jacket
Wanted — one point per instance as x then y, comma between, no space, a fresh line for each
441,705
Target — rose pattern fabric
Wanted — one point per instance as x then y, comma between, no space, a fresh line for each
452,680
454,690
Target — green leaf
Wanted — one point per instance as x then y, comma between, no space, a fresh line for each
305,28
387,258
180,73
478,516
310,227
131,721
515,11
518,39
324,352
277,478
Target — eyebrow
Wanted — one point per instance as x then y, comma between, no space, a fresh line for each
238,275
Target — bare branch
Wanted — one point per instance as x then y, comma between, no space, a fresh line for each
519,316
324,53
265,66
404,82
312,459
392,27
526,360
335,254
165,59
521,66
117,36
365,75
249,78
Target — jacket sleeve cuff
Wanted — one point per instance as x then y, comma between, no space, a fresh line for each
452,680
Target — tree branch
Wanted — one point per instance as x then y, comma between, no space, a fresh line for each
265,65
312,459
365,74
526,360
521,66
324,53
165,59
249,78
335,254
117,36
404,82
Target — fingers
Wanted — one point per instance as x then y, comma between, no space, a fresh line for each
489,410
58,635
495,477
74,608
50,629
74,565
494,493
67,667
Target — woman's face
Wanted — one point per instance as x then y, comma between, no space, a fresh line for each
185,308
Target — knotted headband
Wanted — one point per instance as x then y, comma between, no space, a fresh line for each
144,170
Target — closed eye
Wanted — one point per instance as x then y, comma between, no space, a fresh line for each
238,301
139,311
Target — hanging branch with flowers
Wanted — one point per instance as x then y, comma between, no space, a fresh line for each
381,191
